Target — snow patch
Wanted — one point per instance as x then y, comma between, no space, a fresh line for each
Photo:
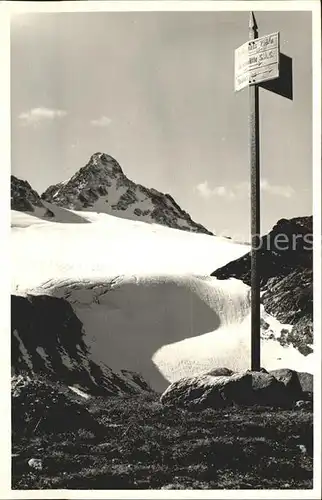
44,356
273,327
66,359
23,350
79,392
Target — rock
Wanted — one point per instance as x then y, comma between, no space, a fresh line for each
205,390
306,382
35,463
187,483
302,448
300,405
290,379
299,384
290,297
208,391
267,390
174,486
40,406
300,315
217,372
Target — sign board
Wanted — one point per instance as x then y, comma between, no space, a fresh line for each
257,61
241,67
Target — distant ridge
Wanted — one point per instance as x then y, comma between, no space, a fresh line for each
26,199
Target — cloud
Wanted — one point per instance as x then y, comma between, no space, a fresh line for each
206,192
242,190
103,121
224,192
203,190
284,191
36,115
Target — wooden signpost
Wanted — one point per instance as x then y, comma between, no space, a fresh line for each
257,64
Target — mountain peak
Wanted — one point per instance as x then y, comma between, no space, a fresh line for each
101,186
103,161
100,165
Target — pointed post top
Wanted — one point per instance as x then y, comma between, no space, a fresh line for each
253,28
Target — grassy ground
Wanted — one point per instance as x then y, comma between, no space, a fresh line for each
140,444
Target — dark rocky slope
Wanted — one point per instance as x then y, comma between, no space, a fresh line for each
101,186
26,199
286,266
47,339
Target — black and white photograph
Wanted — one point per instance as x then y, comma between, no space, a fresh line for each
164,176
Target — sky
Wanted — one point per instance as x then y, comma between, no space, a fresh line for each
155,90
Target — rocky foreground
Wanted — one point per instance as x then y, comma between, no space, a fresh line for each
66,439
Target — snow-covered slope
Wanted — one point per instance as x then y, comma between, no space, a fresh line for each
111,247
101,186
144,296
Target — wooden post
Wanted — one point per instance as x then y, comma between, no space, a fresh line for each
255,211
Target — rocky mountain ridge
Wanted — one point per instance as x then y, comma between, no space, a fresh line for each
286,267
26,199
294,235
101,186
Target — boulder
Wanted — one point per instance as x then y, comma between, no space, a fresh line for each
266,390
300,405
209,391
290,380
205,391
35,463
218,372
306,382
298,384
40,406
